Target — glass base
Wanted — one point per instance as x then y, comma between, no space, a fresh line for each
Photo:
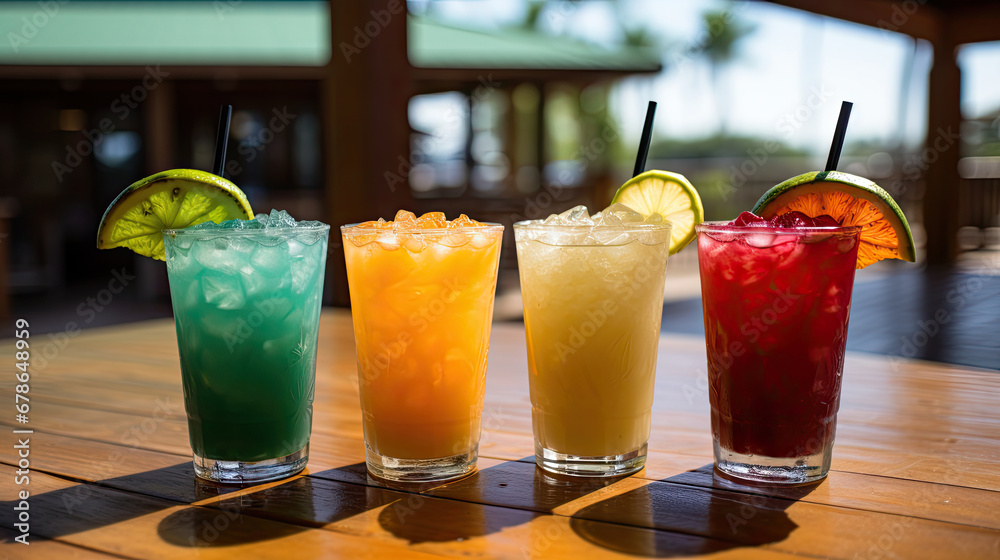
775,470
575,465
239,472
421,470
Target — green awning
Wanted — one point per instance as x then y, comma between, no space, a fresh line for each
267,33
218,33
437,45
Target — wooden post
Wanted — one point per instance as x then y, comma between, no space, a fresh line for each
941,151
366,132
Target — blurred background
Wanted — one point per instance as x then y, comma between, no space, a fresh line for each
503,110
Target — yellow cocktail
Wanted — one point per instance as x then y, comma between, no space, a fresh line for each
422,302
593,299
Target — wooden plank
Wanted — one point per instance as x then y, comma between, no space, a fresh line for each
939,426
521,486
139,526
170,436
434,524
789,524
47,549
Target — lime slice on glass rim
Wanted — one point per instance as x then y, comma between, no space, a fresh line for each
173,199
669,195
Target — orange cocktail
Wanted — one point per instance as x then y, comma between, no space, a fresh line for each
422,302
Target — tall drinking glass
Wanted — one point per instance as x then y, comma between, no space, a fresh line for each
422,304
246,305
776,304
593,300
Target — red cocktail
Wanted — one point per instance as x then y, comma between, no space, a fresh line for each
776,302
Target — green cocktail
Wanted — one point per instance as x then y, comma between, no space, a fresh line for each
246,297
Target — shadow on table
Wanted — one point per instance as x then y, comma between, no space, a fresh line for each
276,510
699,512
492,499
226,514
695,512
419,513
83,507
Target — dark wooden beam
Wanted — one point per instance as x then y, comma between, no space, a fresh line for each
975,24
941,153
366,132
912,18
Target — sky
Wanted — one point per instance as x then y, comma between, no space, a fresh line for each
787,82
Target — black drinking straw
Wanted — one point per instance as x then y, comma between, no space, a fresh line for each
838,136
647,132
222,140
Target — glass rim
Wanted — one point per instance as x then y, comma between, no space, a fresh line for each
726,227
227,232
485,226
630,228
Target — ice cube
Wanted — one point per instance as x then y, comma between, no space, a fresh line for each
825,221
430,220
204,225
305,270
177,262
792,220
602,219
577,216
610,235
218,254
179,254
280,219
413,243
481,240
760,240
462,221
455,239
404,216
223,291
554,220
750,219
270,260
618,214
388,241
257,284
233,224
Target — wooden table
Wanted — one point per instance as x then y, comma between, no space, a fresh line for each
916,470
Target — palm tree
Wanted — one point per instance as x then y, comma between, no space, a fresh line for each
722,30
